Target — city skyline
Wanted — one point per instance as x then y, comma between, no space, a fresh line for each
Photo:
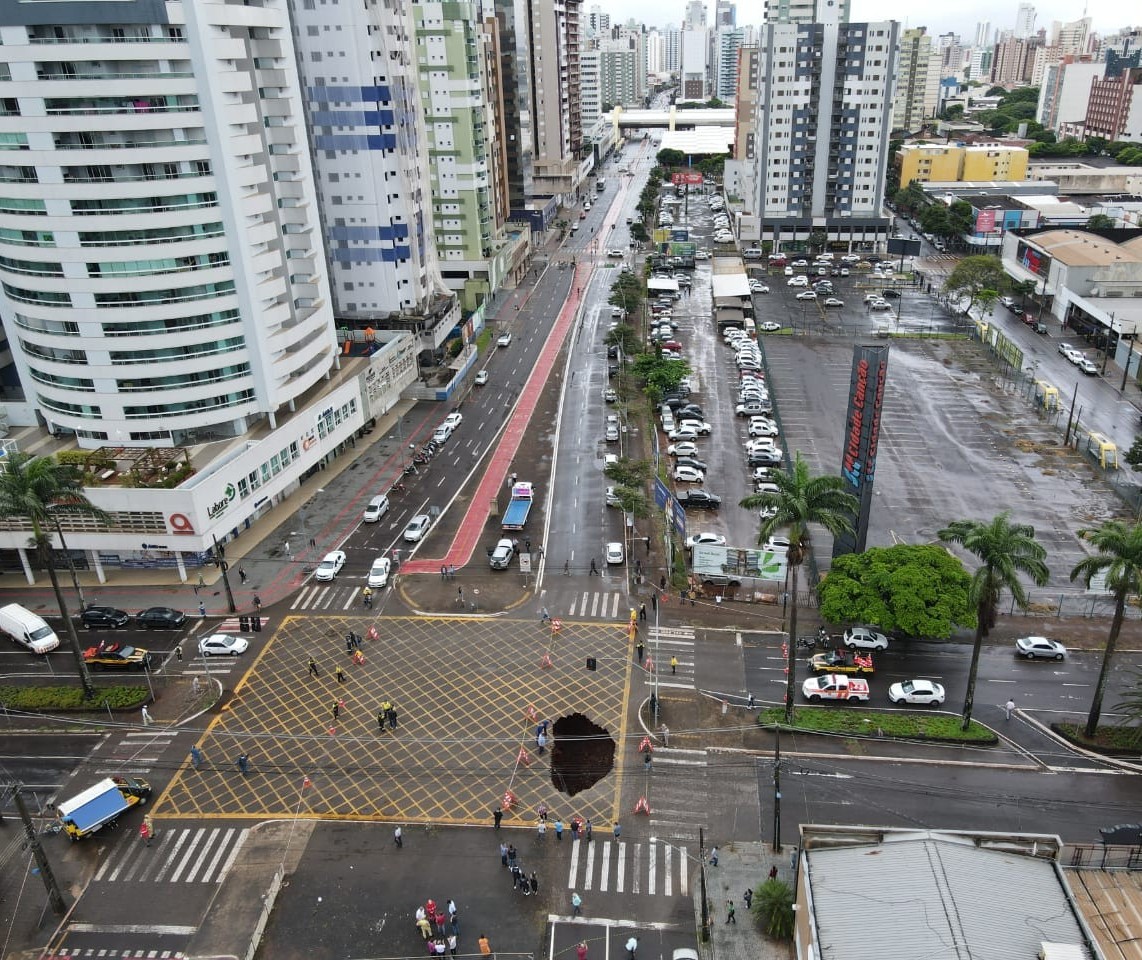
1105,17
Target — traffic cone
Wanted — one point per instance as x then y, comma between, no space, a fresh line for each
545,662
524,757
642,806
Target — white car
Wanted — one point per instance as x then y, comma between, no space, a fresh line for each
834,302
865,638
758,288
441,433
688,475
379,572
481,378
698,426
917,691
761,427
615,252
688,448
768,326
330,566
501,557
714,538
614,553
683,433
453,420
612,499
748,363
850,258
504,340
417,527
807,295
880,305
610,460
222,645
798,281
612,433
777,544
753,409
1040,648
759,444
1087,366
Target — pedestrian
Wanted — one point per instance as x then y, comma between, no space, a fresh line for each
662,582
504,854
336,709
773,872
451,907
452,572
533,883
392,712
641,648
242,576
460,595
195,686
646,761
542,808
541,830
485,945
452,944
654,603
618,828
581,951
381,720
195,757
443,572
201,583
438,919
497,816
748,896
632,946
541,743
558,830
516,874
731,913
574,828
178,653
693,595
587,830
398,837
673,665
455,924
1009,708
512,854
244,763
287,552
665,730
257,602
147,718
145,832
340,674
545,617
594,569
642,611
576,905
201,609
647,540
750,703
714,857
424,927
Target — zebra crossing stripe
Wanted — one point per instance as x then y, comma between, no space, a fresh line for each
161,876
652,867
605,866
667,879
621,868
683,872
636,868
352,597
590,867
233,855
574,871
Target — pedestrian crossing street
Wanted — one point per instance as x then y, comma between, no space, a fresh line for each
195,855
651,869
330,596
663,644
102,953
135,753
599,604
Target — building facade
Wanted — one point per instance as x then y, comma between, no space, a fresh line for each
948,163
1114,110
728,42
910,105
694,72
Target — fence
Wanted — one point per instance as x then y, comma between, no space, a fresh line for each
1100,856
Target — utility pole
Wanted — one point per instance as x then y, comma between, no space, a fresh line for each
777,793
55,895
224,567
1071,416
702,876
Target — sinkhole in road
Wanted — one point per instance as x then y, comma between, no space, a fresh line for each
582,754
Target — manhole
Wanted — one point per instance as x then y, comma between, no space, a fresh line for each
582,754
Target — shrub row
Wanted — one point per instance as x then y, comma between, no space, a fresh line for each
68,699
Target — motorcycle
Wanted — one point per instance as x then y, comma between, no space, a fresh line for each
821,639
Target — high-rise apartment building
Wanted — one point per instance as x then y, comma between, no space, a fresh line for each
672,54
693,82
725,14
655,45
555,102
514,32
598,21
1011,66
728,41
1114,111
983,34
910,105
1024,21
162,270
1065,91
801,11
695,15
824,114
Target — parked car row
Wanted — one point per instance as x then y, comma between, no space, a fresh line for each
1079,359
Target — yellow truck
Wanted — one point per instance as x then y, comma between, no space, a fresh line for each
100,805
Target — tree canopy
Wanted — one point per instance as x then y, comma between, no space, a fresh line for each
916,590
972,275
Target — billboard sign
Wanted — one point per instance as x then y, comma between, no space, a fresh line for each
665,500
985,221
693,179
898,247
713,561
862,435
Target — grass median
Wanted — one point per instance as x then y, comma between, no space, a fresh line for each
902,725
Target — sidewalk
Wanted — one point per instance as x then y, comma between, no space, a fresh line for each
741,866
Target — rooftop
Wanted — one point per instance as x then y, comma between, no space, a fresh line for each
1078,248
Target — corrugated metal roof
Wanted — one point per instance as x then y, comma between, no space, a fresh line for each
730,285
936,898
1078,248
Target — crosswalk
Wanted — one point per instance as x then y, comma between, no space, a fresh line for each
103,953
677,794
651,869
195,855
233,625
663,645
134,754
328,596
605,605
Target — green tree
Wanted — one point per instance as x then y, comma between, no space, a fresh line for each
625,337
1133,456
934,219
1005,550
628,473
657,374
973,275
1119,558
671,158
1100,221
1130,706
919,590
41,490
632,501
961,219
773,908
817,240
801,499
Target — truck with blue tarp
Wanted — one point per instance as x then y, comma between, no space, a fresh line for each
100,805
520,506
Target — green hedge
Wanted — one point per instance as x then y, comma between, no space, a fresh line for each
905,725
53,699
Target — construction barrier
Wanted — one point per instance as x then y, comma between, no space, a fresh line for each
642,806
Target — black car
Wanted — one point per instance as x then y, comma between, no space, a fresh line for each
699,500
690,410
764,458
104,617
160,618
674,402
890,294
691,462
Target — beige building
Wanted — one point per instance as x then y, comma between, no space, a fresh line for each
910,106
942,162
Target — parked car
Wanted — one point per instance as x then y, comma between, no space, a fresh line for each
688,475
768,326
106,617
926,692
834,302
687,448
160,618
761,427
865,638
1040,648
501,557
807,295
714,538
699,500
691,462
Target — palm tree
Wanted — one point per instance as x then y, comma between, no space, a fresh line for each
801,499
41,489
1120,557
1005,551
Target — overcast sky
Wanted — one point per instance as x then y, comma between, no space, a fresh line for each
960,17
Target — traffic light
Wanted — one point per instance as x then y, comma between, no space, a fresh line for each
592,664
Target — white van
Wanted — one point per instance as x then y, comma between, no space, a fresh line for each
376,509
27,629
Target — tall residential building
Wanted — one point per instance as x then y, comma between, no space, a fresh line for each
1024,21
598,22
695,15
725,14
1011,67
693,85
982,34
672,56
1114,111
1071,38
590,86
980,64
727,42
824,114
655,52
912,87
162,270
800,11
514,32
558,130
1065,91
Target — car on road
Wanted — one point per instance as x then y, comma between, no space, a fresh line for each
615,252
610,396
688,475
501,556
865,638
105,617
687,448
890,294
453,420
330,566
114,656
758,288
834,302
926,692
807,295
768,326
798,281
379,572
160,618
417,527
1040,648
481,378
1087,366
504,340
713,538
376,509
223,645
614,553
441,434
699,500
762,427
880,305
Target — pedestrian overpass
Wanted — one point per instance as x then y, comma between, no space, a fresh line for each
672,119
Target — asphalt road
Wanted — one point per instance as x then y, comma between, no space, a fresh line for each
40,762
